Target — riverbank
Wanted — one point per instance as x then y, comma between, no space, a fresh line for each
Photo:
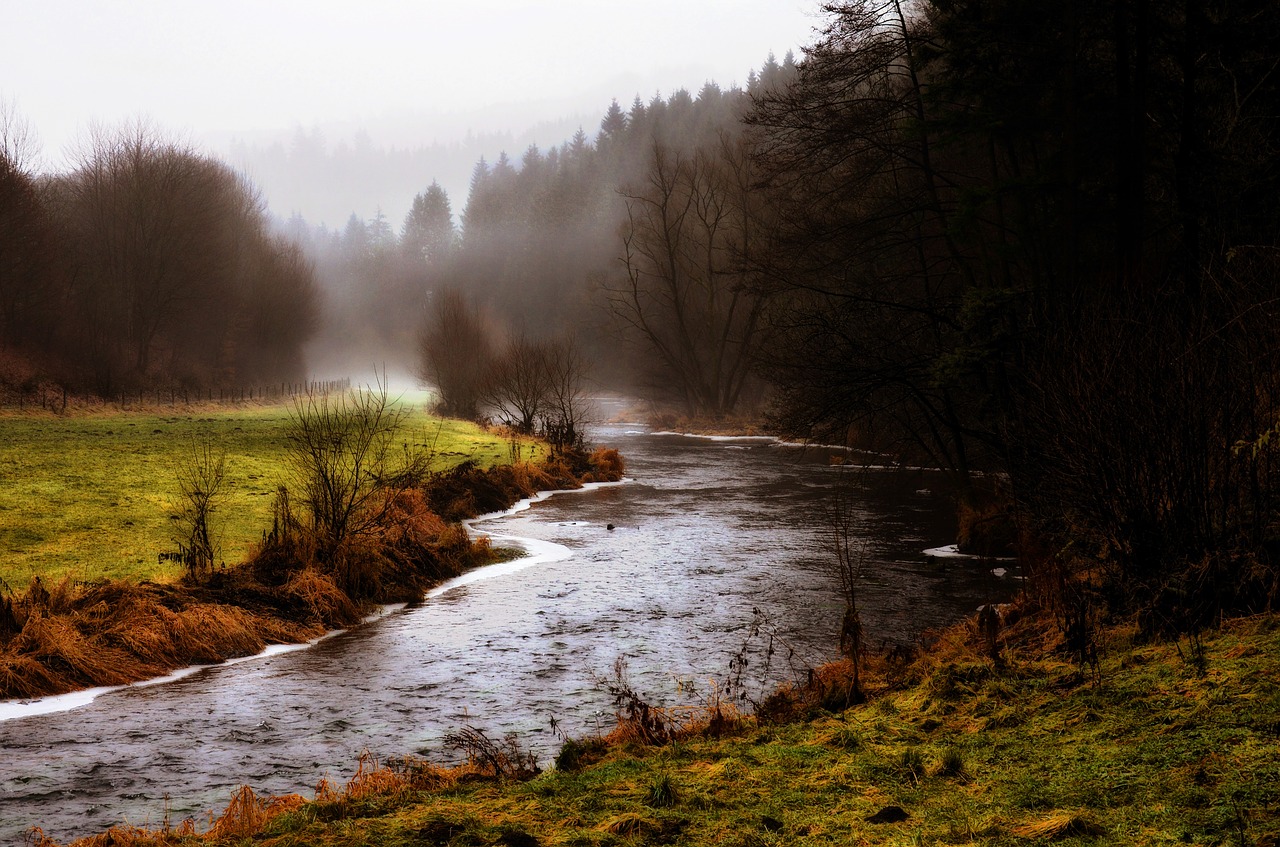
1161,743
93,495
71,633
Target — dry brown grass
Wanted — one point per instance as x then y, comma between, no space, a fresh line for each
119,632
247,814
56,642
659,725
324,601
372,778
606,465
1060,825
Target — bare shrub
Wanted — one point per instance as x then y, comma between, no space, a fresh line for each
340,450
565,408
517,384
504,759
201,477
849,549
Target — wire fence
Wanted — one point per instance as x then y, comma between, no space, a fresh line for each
59,399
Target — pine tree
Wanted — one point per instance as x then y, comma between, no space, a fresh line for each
428,231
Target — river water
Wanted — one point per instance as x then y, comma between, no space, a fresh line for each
710,537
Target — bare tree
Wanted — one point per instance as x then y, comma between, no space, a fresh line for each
18,141
454,354
565,405
849,549
340,449
686,294
170,260
30,286
516,387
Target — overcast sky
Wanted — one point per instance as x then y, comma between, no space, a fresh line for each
408,72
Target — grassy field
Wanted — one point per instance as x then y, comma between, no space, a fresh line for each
92,495
1164,745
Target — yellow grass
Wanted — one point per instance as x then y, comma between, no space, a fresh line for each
93,496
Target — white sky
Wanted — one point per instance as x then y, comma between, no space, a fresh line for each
214,70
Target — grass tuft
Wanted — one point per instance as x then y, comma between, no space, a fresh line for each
661,793
952,763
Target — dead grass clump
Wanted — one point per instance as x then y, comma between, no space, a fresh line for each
643,723
143,628
212,633
504,759
36,598
62,597
119,836
243,818
54,641
628,824
325,602
834,686
780,706
374,779
327,792
25,677
1060,825
606,465
410,520
247,814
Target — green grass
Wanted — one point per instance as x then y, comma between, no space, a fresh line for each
92,496
1150,752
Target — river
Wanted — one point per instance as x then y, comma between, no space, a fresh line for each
709,537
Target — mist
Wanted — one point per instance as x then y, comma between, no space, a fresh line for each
535,239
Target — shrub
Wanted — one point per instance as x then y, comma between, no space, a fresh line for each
575,754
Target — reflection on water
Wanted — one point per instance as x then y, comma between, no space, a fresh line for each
705,532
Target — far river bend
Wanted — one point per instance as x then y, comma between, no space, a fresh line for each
706,530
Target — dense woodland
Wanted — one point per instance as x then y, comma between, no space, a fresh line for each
148,264
1032,244
1041,240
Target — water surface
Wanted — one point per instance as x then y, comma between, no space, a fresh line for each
710,536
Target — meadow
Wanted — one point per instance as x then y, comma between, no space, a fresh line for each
93,495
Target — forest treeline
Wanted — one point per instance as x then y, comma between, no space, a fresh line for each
147,264
537,246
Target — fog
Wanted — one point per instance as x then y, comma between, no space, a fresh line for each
238,78
340,114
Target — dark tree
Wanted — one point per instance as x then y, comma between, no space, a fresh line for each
169,262
428,233
687,293
455,354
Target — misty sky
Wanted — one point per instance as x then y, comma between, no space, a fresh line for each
406,72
